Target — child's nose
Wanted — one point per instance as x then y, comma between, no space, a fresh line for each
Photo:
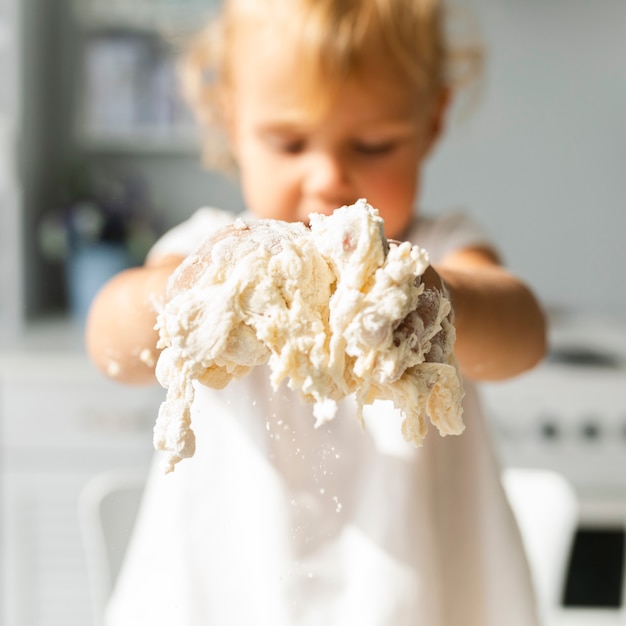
327,176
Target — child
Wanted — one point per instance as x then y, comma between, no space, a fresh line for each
273,521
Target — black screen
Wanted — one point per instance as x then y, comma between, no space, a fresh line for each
596,569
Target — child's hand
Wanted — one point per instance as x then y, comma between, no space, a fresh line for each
120,336
499,325
430,314
190,271
432,280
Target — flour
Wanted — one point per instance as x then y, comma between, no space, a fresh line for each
334,308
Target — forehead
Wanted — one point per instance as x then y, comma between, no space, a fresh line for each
270,79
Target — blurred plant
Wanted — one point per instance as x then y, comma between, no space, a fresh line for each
99,208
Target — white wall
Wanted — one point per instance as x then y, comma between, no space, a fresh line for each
542,161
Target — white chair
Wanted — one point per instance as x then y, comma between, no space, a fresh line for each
546,508
108,506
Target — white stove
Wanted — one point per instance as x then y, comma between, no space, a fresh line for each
569,415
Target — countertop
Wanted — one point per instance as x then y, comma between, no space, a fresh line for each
52,346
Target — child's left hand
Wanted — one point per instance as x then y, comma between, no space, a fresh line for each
500,327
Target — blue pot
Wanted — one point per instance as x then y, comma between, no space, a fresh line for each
88,268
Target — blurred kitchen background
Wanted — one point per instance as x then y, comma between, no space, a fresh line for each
98,156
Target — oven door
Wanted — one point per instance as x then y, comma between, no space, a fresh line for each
594,591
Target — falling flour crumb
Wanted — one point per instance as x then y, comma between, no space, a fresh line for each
334,308
113,369
146,356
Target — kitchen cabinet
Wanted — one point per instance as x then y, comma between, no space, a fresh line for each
62,127
128,96
61,424
10,235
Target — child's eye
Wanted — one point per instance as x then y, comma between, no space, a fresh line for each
294,146
285,144
375,148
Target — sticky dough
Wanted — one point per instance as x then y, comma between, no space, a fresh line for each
334,308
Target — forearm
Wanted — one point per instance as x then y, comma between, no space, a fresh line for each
120,335
500,327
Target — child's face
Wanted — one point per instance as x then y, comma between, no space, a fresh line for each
369,143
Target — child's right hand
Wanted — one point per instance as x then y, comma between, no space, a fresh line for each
190,271
120,336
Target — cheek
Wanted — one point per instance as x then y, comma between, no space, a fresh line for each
268,190
394,195
397,174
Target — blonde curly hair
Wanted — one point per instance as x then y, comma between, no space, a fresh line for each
332,40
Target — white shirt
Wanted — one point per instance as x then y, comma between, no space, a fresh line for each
276,522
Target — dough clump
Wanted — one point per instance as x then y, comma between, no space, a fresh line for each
335,309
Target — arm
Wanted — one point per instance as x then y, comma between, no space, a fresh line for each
501,330
120,335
